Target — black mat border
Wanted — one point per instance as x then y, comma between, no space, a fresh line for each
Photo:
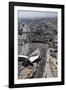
11,44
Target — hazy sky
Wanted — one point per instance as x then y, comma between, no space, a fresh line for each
35,14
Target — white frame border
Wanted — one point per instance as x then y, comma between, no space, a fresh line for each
24,81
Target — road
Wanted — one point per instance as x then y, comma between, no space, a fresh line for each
42,63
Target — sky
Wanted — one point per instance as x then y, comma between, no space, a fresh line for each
35,14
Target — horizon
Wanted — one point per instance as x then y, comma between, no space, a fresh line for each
35,14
